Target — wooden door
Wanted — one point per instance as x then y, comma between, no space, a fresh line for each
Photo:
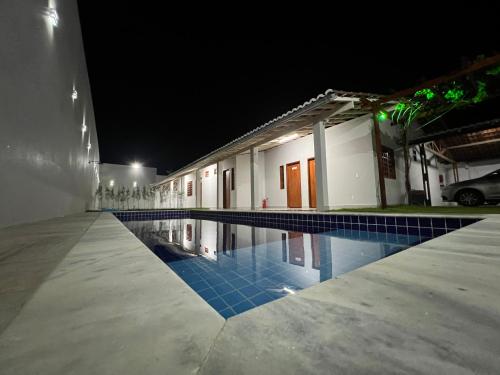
226,189
312,182
293,190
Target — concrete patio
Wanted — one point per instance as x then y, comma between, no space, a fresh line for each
82,295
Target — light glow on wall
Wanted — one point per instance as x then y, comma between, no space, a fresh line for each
136,165
84,126
286,138
135,184
53,17
74,94
112,183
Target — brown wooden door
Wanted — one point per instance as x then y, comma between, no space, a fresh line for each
312,182
296,248
226,189
293,190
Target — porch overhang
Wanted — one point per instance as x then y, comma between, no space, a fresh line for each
332,107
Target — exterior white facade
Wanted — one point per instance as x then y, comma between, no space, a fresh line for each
129,177
48,138
348,177
351,172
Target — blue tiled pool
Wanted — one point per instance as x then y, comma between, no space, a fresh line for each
236,267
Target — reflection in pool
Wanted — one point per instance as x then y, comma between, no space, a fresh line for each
238,267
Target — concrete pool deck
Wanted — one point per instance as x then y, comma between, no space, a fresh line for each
103,303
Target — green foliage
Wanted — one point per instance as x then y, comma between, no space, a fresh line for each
454,95
400,107
494,71
481,93
428,93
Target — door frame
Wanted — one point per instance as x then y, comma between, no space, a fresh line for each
288,181
309,182
226,194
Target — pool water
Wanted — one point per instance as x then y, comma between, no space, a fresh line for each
237,267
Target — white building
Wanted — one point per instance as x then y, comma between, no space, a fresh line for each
128,177
320,155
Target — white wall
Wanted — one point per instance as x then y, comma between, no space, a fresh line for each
209,186
351,164
126,175
297,150
242,181
44,161
467,171
189,202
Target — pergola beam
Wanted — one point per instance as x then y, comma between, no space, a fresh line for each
494,140
487,62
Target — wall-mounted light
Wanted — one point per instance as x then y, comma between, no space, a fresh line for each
74,94
135,183
112,183
53,16
89,146
84,128
136,165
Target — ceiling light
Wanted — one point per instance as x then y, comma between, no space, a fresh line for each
286,138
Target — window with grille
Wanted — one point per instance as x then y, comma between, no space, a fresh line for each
190,188
388,163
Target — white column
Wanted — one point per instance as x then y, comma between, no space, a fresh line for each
197,188
321,169
218,185
254,178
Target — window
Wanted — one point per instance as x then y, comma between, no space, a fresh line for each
232,178
207,173
282,177
388,163
190,188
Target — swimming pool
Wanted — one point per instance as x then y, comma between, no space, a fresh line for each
236,267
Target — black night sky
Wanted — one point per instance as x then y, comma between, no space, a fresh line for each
168,88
